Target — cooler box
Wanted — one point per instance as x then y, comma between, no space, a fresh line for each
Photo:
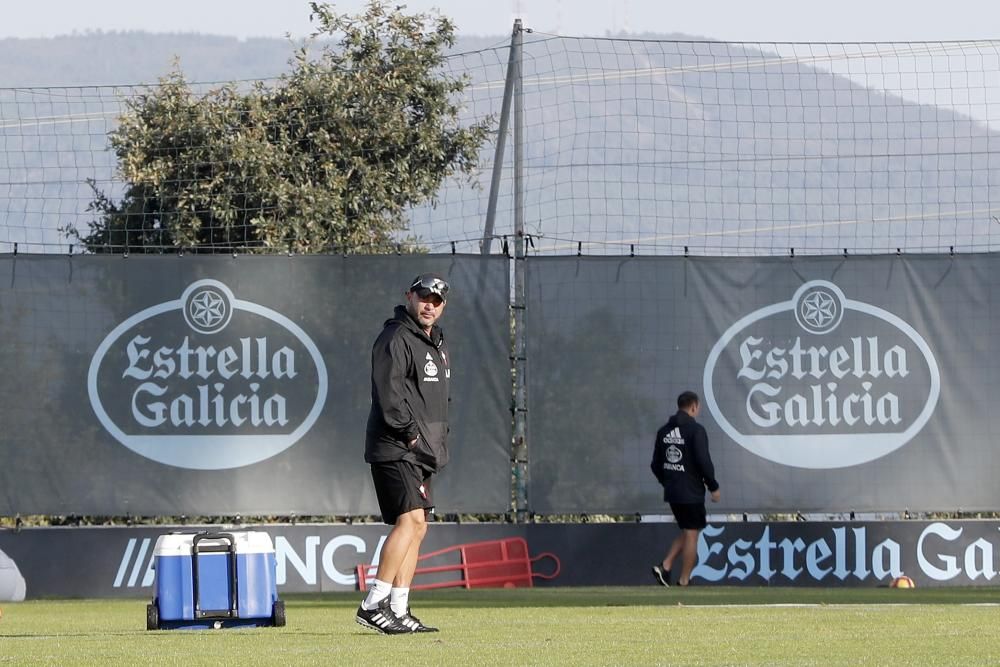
214,580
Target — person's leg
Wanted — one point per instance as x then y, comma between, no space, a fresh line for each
399,600
402,498
374,611
403,575
399,596
399,490
398,559
662,572
673,552
689,555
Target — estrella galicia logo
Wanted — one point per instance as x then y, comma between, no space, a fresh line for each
207,381
821,381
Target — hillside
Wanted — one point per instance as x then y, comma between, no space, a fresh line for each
116,58
650,144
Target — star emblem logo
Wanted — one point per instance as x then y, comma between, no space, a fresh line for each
819,310
208,307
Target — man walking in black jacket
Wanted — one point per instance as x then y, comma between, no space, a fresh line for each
683,466
406,443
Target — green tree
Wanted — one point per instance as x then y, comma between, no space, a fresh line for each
327,158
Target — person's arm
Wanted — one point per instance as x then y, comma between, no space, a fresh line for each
656,465
390,360
704,461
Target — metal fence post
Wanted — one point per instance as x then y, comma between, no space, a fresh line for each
520,445
513,99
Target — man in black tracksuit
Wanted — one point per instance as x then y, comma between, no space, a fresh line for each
405,443
682,464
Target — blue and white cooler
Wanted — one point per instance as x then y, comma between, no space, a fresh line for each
214,580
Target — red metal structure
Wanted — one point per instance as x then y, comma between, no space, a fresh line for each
501,563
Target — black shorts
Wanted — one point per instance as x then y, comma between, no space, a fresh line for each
401,487
690,516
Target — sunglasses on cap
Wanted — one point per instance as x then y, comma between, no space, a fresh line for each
432,285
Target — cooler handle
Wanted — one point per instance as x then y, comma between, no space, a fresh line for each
230,549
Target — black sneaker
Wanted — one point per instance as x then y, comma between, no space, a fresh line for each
381,619
412,622
662,576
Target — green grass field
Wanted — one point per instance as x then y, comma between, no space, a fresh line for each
582,626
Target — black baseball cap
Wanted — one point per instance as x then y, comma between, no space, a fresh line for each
430,283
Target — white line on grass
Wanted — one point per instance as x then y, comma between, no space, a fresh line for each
835,604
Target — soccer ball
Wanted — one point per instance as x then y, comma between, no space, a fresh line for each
902,581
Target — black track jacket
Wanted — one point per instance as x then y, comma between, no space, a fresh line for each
681,461
410,377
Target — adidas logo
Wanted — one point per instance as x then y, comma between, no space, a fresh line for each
381,620
674,437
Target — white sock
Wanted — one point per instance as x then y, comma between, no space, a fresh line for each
399,600
379,591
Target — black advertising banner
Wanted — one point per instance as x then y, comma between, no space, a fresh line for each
827,383
219,385
120,562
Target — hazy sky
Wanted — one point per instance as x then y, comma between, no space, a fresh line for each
735,20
